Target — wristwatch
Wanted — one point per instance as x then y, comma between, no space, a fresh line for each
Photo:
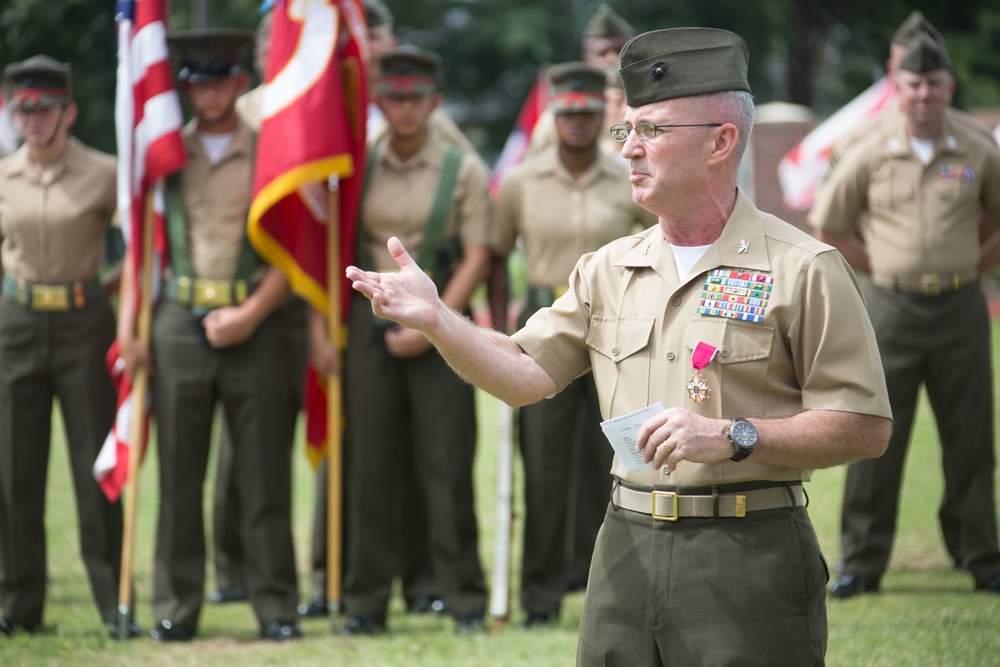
743,436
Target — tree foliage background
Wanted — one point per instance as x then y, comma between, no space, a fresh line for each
820,54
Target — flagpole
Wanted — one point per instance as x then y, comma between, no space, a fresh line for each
140,384
334,447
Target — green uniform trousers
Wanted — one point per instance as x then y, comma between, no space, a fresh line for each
942,342
226,541
250,381
567,464
46,355
419,405
726,592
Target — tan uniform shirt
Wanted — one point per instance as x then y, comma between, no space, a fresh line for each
53,229
217,202
560,218
877,124
628,318
399,196
921,218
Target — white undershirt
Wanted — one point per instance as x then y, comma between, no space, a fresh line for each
924,148
215,144
686,257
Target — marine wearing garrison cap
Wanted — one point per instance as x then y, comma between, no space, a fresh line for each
38,83
408,70
683,62
211,54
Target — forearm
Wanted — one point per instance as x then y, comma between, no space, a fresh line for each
269,294
489,359
820,439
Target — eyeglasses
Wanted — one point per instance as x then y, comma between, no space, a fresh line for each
646,130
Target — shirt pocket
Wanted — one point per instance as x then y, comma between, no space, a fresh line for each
621,358
739,370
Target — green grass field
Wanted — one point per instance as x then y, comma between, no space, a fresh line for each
926,615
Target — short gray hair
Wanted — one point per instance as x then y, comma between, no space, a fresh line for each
730,106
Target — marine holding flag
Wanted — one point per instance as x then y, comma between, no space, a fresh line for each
57,198
217,340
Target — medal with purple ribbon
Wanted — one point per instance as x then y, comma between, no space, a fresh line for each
697,387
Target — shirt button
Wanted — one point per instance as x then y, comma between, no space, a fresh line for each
676,301
615,351
670,356
724,352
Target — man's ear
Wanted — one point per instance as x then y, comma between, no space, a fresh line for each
70,114
725,140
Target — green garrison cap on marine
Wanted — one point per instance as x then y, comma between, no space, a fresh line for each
683,62
377,13
205,55
915,24
38,83
576,87
924,54
408,70
607,24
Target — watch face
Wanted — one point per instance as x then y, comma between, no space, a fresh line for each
743,434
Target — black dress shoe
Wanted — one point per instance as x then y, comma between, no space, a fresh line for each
278,630
165,631
114,629
426,604
469,624
359,626
9,627
848,585
315,608
536,620
224,595
990,584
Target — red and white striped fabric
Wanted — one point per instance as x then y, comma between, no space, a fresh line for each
516,146
8,135
802,169
150,147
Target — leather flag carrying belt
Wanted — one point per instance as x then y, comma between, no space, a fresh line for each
204,293
673,505
58,297
928,284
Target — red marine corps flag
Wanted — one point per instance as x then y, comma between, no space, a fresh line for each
312,129
307,190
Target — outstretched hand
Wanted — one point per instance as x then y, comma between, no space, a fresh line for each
408,297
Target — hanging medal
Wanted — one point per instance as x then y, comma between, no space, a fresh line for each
697,387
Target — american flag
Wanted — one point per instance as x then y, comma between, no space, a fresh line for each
150,148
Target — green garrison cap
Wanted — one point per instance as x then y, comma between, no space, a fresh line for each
38,83
377,13
408,70
924,54
210,54
683,62
606,23
915,24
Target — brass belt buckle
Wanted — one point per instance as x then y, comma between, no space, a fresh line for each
665,494
930,284
741,507
213,293
49,297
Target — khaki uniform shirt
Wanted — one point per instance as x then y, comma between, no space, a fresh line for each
877,124
217,202
630,320
399,196
921,218
53,229
560,218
